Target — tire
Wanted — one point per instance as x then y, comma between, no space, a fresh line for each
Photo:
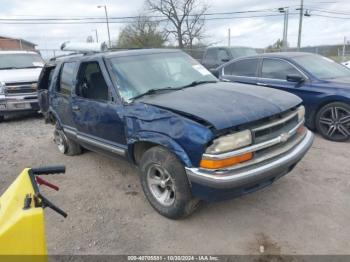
333,121
66,145
2,118
165,184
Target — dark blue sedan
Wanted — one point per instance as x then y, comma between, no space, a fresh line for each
323,84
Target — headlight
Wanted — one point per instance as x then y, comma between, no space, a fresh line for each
2,88
301,113
230,142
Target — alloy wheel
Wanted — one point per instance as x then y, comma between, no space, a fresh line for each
335,123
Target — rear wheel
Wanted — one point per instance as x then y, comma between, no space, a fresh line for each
333,121
165,184
64,144
2,118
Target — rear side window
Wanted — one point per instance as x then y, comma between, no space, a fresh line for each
67,78
277,69
223,55
210,56
246,67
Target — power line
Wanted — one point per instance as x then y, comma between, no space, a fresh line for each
121,22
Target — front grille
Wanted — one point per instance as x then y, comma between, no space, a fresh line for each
21,88
274,128
270,139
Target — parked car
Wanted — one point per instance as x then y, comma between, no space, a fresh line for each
323,84
19,72
191,136
347,64
216,56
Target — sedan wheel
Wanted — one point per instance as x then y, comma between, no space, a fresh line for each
333,122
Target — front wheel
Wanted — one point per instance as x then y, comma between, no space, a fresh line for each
333,121
165,184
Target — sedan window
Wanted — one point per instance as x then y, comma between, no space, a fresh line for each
277,69
245,67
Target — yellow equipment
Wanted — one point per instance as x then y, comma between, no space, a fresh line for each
22,223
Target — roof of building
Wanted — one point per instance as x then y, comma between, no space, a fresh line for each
18,39
17,52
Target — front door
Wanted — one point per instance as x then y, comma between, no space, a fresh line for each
274,74
98,117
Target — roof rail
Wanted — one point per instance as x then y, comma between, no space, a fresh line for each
70,54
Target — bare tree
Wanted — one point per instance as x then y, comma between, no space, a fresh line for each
185,19
141,33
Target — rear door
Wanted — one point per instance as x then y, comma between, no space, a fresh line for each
241,71
98,114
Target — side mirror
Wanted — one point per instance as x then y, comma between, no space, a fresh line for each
225,60
295,78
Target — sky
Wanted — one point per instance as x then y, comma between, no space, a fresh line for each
257,32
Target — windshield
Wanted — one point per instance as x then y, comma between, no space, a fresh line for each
322,67
138,74
242,51
16,61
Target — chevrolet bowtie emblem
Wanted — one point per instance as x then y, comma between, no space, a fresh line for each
284,137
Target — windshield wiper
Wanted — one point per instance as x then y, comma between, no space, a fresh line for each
31,67
154,91
7,68
196,83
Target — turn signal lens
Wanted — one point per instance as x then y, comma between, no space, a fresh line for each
301,129
221,163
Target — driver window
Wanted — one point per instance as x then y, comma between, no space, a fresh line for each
277,69
91,83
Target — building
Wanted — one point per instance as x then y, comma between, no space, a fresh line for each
8,43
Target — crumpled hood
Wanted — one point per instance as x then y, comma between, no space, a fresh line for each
225,105
20,75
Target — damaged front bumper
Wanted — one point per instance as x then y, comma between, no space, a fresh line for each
214,185
11,104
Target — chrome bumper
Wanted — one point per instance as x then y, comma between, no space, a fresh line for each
20,102
254,173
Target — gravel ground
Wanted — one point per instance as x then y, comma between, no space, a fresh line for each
306,212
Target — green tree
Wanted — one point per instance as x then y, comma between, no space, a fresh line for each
277,46
141,33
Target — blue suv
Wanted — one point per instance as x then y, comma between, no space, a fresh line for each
192,137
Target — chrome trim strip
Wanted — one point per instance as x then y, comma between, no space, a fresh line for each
277,122
253,148
235,178
94,142
82,137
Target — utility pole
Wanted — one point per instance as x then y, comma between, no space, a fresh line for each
229,37
96,34
301,13
109,36
285,11
344,46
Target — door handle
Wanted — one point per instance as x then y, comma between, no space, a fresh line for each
261,84
76,108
